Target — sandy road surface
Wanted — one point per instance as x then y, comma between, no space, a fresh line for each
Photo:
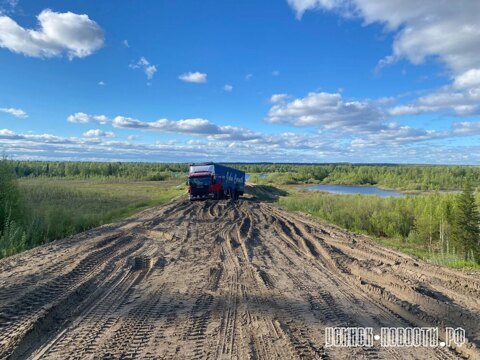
227,281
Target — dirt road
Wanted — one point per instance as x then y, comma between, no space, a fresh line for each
223,281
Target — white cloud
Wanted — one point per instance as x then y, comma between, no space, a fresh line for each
423,29
275,73
145,66
394,134
327,110
300,6
187,126
47,146
57,34
248,76
101,83
195,142
126,44
6,132
394,143
275,98
228,88
468,79
83,118
462,102
98,133
194,77
19,113
466,128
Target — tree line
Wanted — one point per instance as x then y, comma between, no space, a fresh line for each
95,170
403,177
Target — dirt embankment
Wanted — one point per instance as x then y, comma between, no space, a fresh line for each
220,280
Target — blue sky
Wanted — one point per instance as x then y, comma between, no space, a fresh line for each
283,81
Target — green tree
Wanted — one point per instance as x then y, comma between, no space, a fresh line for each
467,224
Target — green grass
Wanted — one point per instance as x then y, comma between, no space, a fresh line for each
94,202
58,208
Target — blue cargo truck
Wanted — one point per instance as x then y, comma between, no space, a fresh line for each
215,181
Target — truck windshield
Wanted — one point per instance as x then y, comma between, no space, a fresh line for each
200,181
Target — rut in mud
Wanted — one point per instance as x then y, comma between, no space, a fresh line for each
210,280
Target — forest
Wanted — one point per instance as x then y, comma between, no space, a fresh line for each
400,177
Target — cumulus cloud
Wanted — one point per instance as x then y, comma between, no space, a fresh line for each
144,65
468,79
19,113
395,134
275,98
394,142
6,132
366,123
83,118
300,6
194,77
98,133
459,102
466,128
57,34
228,88
101,83
326,110
195,142
423,29
47,146
187,126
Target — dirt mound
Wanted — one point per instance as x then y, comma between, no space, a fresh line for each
214,280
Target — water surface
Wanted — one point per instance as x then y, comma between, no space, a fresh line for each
350,189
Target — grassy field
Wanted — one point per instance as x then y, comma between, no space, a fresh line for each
58,207
70,206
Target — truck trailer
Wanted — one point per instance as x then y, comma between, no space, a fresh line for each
215,181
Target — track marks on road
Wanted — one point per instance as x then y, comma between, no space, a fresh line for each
231,280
